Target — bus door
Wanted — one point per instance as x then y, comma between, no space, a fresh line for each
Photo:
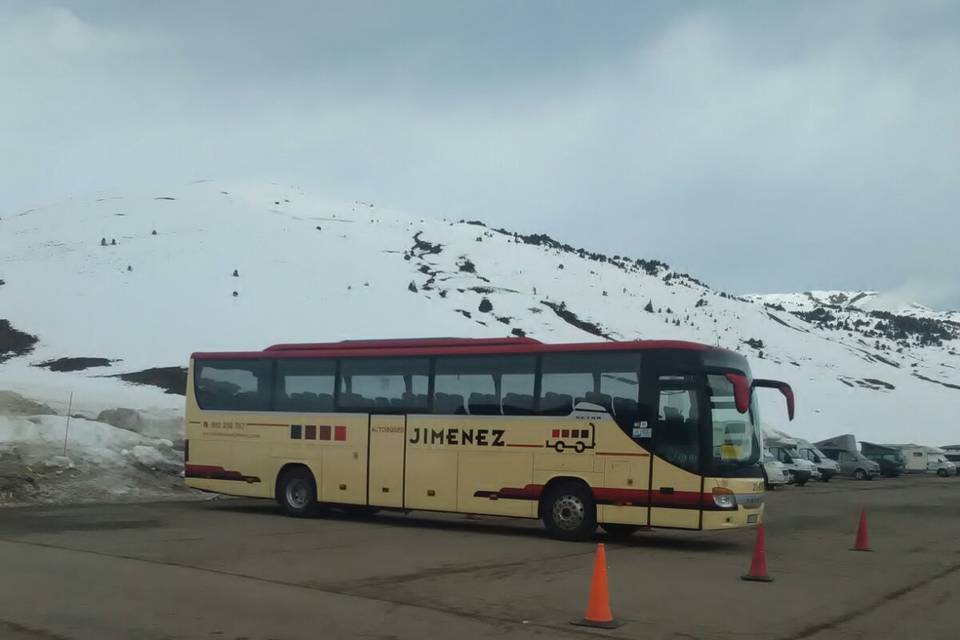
675,481
388,437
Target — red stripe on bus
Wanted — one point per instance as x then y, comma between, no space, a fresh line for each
210,472
616,497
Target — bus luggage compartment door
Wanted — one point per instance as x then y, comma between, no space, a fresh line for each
385,470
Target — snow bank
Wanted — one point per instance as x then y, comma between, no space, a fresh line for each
102,462
87,441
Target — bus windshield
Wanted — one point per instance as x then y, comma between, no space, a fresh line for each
735,436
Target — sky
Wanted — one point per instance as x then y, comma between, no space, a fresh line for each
759,146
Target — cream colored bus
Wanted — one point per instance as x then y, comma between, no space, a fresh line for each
621,434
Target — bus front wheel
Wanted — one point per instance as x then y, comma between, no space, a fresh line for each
569,512
298,492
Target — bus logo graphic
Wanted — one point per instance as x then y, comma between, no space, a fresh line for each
578,439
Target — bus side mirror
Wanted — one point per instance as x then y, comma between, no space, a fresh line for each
741,391
784,388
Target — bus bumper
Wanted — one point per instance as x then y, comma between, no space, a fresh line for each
733,518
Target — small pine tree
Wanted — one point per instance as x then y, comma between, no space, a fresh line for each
412,286
113,242
235,294
560,266
485,306
649,307
129,268
236,274
103,242
154,232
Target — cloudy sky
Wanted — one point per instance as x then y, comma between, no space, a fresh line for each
760,146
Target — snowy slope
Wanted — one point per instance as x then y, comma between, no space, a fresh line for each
313,270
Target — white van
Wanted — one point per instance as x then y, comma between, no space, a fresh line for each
953,455
799,470
827,467
920,459
783,446
774,473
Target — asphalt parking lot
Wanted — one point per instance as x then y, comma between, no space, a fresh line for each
237,569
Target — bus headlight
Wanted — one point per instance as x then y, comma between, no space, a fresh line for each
724,498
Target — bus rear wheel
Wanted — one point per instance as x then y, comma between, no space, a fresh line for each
615,530
569,511
297,493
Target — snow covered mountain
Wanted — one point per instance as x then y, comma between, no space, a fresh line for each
136,282
853,301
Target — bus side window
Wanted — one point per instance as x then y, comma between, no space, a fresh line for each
676,435
484,385
384,385
304,384
607,380
234,385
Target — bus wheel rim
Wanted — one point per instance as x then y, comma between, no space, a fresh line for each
297,493
568,512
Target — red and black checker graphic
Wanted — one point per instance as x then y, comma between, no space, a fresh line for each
577,438
318,432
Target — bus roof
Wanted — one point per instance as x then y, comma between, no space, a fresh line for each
400,343
445,346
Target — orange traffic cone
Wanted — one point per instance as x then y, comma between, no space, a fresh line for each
861,543
598,607
758,565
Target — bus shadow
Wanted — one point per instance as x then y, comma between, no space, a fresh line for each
260,508
465,524
676,542
492,525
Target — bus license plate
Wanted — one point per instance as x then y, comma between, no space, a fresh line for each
752,518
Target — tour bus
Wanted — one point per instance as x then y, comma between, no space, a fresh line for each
626,435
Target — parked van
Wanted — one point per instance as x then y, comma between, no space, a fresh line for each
827,467
952,454
920,459
774,473
890,459
852,463
940,465
784,448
